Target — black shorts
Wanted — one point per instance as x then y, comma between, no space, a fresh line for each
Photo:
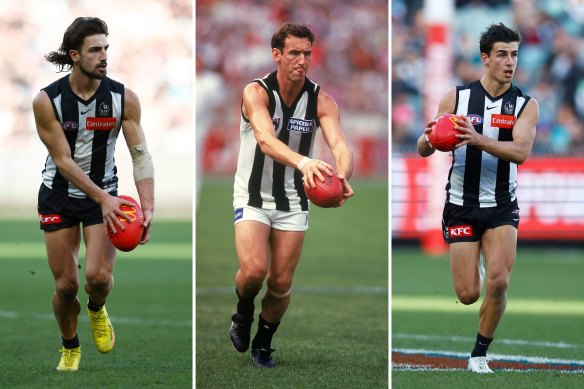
58,211
467,224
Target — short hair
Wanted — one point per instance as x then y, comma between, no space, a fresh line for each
73,38
291,28
497,33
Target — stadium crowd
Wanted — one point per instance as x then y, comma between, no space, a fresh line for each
150,51
350,62
551,65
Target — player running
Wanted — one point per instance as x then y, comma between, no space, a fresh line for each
481,211
78,118
280,116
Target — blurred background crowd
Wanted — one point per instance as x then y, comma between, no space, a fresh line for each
349,61
550,69
150,52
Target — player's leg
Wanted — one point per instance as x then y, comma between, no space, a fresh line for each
62,248
286,248
464,266
251,244
500,249
99,266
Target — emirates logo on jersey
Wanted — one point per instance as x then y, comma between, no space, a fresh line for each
99,124
502,121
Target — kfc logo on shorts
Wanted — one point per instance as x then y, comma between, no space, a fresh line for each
459,231
50,219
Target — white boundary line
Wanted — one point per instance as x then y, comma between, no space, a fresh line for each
466,339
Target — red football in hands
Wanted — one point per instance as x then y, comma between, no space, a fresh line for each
326,194
128,239
443,135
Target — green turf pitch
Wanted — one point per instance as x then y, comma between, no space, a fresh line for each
150,308
544,317
334,334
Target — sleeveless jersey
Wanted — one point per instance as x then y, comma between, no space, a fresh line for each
477,178
91,128
262,182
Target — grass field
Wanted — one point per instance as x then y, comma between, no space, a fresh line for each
150,307
544,318
334,334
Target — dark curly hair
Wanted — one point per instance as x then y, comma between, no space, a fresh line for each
73,40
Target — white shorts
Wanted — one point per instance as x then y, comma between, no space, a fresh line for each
280,220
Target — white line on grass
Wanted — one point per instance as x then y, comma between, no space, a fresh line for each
115,319
305,289
493,357
466,339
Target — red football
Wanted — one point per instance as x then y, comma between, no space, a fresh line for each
128,239
326,194
442,136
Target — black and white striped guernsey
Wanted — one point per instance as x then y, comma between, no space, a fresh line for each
262,182
477,178
91,128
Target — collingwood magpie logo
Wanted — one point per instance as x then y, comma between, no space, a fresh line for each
104,109
509,108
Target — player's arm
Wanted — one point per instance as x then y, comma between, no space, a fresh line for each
143,167
515,151
330,123
447,105
255,108
51,134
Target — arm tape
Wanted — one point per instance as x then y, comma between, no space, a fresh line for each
142,162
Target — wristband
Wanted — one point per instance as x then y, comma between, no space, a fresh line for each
303,162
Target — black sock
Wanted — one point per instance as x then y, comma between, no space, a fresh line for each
94,307
263,338
245,306
71,343
481,346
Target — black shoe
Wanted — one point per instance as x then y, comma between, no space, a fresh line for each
240,332
262,357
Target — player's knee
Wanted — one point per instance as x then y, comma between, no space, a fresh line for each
497,287
99,280
280,286
255,275
67,289
468,297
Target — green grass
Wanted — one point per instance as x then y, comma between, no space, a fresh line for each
546,304
150,307
334,333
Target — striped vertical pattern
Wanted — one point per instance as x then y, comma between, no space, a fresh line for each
92,150
261,181
477,178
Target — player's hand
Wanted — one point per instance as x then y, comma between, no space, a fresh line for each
469,136
110,208
312,168
347,190
148,214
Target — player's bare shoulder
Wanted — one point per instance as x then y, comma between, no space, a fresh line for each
254,96
448,102
326,104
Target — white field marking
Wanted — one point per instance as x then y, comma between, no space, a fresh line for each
18,250
467,339
514,306
114,319
304,289
409,367
492,357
